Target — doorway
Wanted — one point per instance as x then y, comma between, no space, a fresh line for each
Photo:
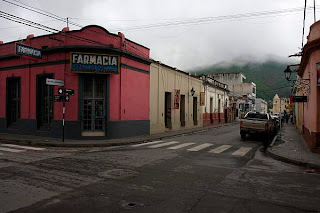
44,102
219,109
183,110
195,111
167,110
93,106
211,110
226,115
13,101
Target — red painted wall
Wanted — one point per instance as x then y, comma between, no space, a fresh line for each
215,119
129,90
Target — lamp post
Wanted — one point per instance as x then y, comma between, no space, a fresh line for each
287,73
192,91
304,83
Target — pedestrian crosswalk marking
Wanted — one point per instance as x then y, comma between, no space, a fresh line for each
11,150
145,144
23,147
180,146
163,144
220,149
202,146
242,151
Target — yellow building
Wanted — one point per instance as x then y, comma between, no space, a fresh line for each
174,99
277,108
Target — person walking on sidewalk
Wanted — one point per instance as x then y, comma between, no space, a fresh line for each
286,116
291,118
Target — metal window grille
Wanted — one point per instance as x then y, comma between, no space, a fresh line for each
45,104
93,107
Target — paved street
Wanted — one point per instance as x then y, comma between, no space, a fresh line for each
211,171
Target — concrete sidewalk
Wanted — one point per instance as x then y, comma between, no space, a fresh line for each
291,147
57,142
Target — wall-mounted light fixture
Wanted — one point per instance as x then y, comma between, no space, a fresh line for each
303,83
192,91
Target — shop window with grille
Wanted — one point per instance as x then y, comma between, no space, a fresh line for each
93,105
44,102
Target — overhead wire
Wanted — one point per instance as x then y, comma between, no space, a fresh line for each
215,19
167,24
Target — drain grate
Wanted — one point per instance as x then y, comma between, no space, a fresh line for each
130,205
118,173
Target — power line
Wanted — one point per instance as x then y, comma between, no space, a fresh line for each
7,28
43,27
42,12
216,19
20,20
25,22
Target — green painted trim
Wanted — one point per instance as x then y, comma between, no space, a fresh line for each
34,65
135,69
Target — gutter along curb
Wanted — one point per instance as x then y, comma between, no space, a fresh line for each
110,142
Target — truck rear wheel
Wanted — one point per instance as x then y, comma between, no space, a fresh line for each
243,135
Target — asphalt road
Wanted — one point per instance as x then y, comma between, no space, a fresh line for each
211,171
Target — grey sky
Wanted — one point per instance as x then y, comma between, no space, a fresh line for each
183,46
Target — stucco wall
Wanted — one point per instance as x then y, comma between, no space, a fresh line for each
165,79
244,89
311,108
126,93
229,78
215,94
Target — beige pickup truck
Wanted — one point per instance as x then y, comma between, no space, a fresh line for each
257,123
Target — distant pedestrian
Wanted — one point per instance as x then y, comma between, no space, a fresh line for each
286,116
291,118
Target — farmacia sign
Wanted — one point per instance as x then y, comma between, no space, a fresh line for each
28,52
94,63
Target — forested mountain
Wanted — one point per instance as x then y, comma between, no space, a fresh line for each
268,76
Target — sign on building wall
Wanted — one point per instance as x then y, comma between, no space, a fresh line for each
28,52
202,98
176,100
94,63
299,99
318,74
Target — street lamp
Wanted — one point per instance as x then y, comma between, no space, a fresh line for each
192,91
287,73
303,83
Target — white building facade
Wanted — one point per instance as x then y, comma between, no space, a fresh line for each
261,105
216,107
244,93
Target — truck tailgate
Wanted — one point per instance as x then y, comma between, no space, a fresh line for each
254,124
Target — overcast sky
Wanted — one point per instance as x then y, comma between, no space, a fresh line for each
196,42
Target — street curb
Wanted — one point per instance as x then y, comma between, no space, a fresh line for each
274,140
292,161
115,143
286,159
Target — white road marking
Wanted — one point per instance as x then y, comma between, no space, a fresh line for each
220,149
145,144
242,151
11,150
180,146
163,144
23,147
1,153
202,146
